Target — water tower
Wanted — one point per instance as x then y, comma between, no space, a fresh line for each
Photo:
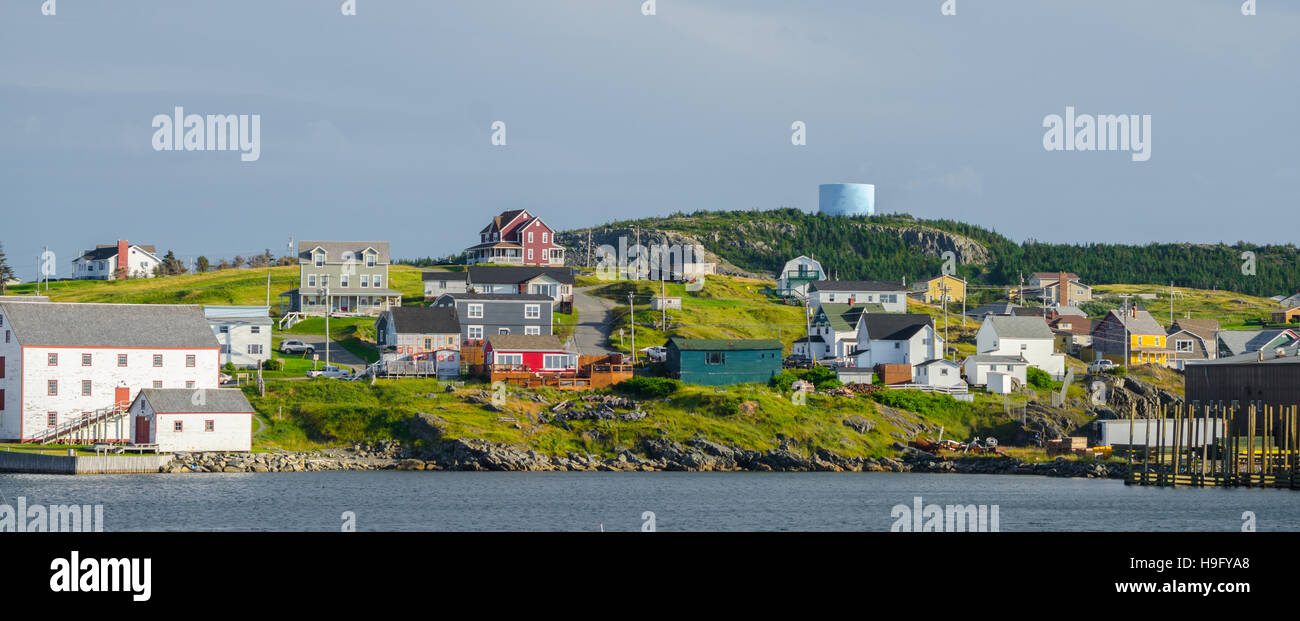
846,199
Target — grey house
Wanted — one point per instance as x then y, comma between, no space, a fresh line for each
244,333
349,277
484,314
437,283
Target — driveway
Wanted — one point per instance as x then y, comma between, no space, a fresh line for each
594,314
338,355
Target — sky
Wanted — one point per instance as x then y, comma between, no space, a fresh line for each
379,125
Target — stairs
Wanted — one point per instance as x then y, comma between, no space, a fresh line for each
289,319
68,428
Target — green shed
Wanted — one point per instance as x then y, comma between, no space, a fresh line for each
720,362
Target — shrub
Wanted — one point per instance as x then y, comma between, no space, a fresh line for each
649,387
229,368
782,381
1118,371
1039,379
273,364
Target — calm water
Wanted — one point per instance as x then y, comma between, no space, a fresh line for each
417,501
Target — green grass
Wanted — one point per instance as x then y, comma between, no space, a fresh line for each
1232,310
355,334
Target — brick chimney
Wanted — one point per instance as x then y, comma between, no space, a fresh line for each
1063,294
123,258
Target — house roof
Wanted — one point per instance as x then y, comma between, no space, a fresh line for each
1245,341
437,275
1291,355
996,308
816,338
525,342
196,401
1078,325
894,326
1019,327
856,285
237,312
1204,328
1142,323
939,361
995,359
724,344
511,274
106,251
501,220
109,325
844,317
334,250
498,297
425,320
1055,276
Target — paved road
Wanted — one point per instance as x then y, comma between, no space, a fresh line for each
592,332
338,355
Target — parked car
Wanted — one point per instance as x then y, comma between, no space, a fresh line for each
657,353
1100,366
296,347
329,370
796,361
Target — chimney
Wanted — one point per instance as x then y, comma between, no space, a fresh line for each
1063,294
123,260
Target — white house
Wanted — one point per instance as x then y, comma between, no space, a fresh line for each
887,338
437,283
1023,337
104,261
797,274
979,366
553,282
834,333
179,419
416,331
76,367
890,295
244,333
940,373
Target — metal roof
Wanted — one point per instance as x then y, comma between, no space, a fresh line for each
196,400
724,344
857,285
894,326
526,342
425,320
109,325
1019,327
334,250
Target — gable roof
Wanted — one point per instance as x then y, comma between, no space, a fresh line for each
686,344
526,342
1290,355
425,320
439,275
1142,323
894,326
1204,328
108,251
1055,276
1019,327
183,400
496,297
1246,341
334,250
109,325
995,359
1078,325
856,285
996,308
501,220
511,274
844,317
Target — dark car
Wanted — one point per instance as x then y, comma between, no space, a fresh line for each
797,361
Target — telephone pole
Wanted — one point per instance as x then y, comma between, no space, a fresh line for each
631,315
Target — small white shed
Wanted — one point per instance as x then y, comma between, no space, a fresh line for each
192,420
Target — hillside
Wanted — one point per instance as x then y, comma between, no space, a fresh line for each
897,246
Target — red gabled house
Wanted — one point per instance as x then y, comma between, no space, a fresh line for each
516,237
529,353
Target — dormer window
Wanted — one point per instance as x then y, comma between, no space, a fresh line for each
319,258
371,259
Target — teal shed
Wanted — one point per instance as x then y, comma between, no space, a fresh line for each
720,362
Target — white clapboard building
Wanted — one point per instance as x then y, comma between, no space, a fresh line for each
179,419
243,332
69,371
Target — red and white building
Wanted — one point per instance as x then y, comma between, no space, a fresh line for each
177,419
516,237
113,261
529,353
71,370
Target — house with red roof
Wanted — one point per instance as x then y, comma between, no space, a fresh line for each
516,237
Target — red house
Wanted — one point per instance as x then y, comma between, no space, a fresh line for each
516,237
529,354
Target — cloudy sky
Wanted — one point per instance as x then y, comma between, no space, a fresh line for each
379,125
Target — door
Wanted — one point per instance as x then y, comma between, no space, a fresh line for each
122,397
141,430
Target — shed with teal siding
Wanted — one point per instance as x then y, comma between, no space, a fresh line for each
721,362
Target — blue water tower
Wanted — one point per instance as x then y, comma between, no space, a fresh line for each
846,199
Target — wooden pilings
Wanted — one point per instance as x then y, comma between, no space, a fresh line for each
1216,444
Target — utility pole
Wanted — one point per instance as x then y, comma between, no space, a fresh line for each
1171,303
631,315
807,317
326,291
663,302
588,248
944,297
1124,322
268,286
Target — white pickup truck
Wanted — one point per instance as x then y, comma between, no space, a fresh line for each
329,370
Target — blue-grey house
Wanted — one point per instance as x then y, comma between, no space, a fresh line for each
720,362
484,314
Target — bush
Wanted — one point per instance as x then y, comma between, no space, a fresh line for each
229,368
822,378
1039,379
1118,371
648,387
782,381
273,364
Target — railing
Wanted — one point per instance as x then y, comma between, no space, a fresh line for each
947,390
289,319
50,434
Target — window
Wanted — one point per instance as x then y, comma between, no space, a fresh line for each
555,361
898,345
209,425
189,384
121,360
546,237
370,259
189,361
157,383
365,280
52,388
51,419
224,329
1183,345
474,311
474,332
157,360
1024,346
52,360
503,330
85,360
324,280
178,426
530,238
2,367
255,349
343,280
379,281
530,254
6,336
311,280
532,311
320,259
715,357
533,330
2,399
85,388
517,359
257,329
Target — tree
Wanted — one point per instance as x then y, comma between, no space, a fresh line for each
6,272
170,265
201,264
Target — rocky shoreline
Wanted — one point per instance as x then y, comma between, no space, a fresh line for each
661,454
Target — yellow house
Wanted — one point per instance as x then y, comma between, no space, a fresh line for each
1145,336
931,291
